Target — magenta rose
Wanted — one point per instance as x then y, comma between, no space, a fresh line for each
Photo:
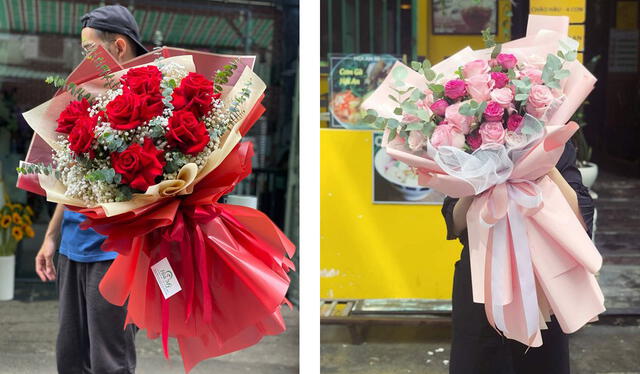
502,96
493,112
479,87
539,99
474,68
474,140
457,120
506,60
455,89
439,107
447,135
499,79
514,121
492,132
416,140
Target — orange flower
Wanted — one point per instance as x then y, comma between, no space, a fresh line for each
29,231
6,221
17,219
17,233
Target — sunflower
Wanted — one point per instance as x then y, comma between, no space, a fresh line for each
17,219
28,231
17,233
6,221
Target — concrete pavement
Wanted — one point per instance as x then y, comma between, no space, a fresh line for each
28,331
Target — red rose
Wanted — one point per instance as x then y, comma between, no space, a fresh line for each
194,94
143,80
74,111
139,165
187,133
81,136
150,106
123,111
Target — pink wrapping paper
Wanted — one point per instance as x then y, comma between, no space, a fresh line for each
546,260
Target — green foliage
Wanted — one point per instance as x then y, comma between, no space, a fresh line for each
107,175
221,77
75,91
178,160
38,168
488,38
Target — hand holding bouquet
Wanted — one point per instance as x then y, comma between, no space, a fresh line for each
492,123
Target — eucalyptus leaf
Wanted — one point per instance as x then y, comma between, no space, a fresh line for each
414,126
399,73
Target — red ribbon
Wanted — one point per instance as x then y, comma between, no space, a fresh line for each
230,261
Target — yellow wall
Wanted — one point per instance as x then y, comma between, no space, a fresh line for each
437,47
375,251
383,251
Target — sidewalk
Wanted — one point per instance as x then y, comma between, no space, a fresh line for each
596,349
28,333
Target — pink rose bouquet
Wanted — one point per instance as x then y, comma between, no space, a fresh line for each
496,125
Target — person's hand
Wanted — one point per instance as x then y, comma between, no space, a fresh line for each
45,268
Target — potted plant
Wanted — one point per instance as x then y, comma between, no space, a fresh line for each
15,224
588,169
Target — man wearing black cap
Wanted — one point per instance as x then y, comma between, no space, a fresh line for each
92,337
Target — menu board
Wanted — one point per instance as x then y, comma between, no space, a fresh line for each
352,78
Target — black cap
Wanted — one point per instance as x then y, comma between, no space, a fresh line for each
116,19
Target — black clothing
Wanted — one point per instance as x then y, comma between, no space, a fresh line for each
91,337
476,347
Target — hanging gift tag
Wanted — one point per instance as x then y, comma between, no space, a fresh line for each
166,278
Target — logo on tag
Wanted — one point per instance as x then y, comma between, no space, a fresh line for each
166,278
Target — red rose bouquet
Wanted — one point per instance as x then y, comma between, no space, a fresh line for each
145,152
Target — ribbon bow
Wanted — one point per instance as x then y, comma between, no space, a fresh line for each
504,210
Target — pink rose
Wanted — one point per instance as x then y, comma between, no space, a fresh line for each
409,118
439,107
427,101
502,96
514,140
457,120
474,140
493,112
455,89
539,99
492,132
447,135
514,121
474,68
499,79
479,87
416,140
506,60
534,75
